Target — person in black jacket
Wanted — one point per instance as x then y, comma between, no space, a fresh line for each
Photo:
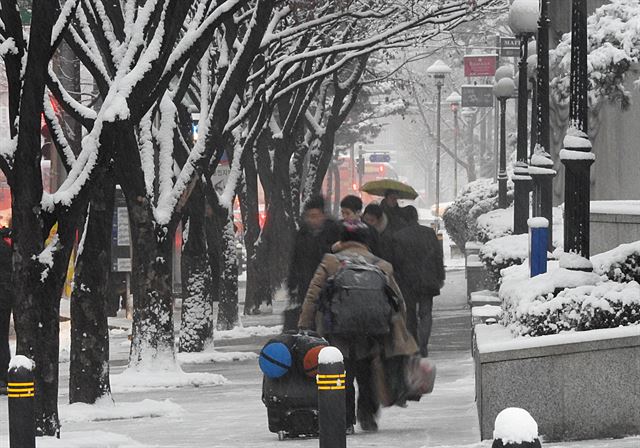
6,303
317,234
418,262
381,239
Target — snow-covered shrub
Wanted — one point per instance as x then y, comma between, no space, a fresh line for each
621,264
499,223
503,252
606,305
613,45
476,198
495,224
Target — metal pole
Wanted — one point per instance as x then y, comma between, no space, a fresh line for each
521,178
455,151
543,137
502,172
439,86
578,156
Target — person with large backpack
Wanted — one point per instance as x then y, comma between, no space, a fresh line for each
354,302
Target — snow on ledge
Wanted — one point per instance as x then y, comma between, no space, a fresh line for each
615,207
496,338
105,409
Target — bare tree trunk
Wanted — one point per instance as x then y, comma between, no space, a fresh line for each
197,312
89,368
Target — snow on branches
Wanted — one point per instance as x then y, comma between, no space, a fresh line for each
613,46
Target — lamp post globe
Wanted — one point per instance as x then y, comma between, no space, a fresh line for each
504,71
438,70
523,16
503,89
523,20
454,101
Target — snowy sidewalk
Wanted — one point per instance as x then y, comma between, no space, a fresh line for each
231,414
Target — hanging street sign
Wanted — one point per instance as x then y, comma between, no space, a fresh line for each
380,158
480,65
509,47
477,96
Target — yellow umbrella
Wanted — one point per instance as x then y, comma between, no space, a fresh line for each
381,186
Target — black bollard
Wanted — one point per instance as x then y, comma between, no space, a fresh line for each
21,391
332,411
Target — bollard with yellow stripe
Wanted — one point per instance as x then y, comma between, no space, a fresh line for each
331,382
21,390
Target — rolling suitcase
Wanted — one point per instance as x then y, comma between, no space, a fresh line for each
291,397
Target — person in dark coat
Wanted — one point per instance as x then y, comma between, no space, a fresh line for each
377,219
314,239
6,303
360,351
395,214
418,262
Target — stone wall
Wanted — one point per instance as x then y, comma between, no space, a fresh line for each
575,391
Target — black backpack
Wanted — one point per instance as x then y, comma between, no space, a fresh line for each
357,300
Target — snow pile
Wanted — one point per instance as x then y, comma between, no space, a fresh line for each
475,199
570,260
88,439
145,379
499,223
515,425
504,252
614,45
106,409
21,362
214,356
247,332
621,264
330,355
495,224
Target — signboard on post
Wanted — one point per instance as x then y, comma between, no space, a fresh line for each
509,47
477,96
221,174
120,235
480,65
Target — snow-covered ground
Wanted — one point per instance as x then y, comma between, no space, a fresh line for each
230,413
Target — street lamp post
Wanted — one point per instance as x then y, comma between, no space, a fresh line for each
541,166
576,155
438,70
523,18
454,100
503,89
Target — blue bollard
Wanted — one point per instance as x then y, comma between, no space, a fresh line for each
538,239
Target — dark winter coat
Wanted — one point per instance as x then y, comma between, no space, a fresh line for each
308,250
395,216
6,268
417,260
397,342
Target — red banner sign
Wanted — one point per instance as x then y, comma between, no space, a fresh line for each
480,65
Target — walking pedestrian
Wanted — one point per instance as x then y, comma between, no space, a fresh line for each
377,219
351,210
6,303
419,266
361,348
392,210
314,239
